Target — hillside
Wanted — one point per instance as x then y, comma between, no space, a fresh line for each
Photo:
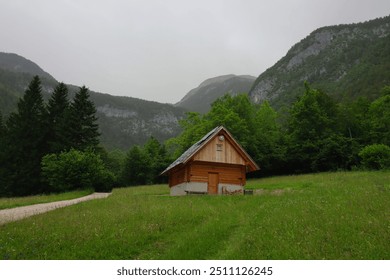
18,64
200,98
123,121
345,61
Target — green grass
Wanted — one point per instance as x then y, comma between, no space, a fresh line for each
13,202
321,216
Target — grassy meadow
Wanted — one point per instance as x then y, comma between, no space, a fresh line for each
344,215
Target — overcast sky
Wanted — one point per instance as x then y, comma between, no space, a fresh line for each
159,50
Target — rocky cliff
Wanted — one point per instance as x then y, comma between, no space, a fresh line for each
346,61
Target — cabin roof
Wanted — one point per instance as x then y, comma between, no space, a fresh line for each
191,151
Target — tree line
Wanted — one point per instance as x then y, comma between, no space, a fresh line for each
36,130
315,134
54,147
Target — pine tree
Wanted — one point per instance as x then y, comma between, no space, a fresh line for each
27,129
159,160
2,157
83,130
137,167
58,109
2,129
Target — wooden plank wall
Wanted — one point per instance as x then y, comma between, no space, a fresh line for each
177,177
227,154
228,174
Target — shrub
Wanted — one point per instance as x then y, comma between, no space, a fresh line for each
105,182
375,156
76,170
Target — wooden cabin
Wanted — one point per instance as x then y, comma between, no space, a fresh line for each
216,164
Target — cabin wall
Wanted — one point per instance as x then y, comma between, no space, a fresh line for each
228,174
220,151
194,178
178,176
216,164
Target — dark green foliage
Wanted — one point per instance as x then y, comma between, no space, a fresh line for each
3,130
3,133
194,127
255,128
333,153
143,165
58,113
83,128
316,134
313,116
354,120
314,139
105,181
270,148
379,114
159,160
375,156
36,130
237,114
26,143
113,162
76,170
137,167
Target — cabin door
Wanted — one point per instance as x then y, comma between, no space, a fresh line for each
212,186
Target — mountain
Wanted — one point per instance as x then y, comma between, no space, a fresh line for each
18,64
345,61
199,99
123,121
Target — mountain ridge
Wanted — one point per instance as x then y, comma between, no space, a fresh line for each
199,99
18,64
124,121
337,59
346,61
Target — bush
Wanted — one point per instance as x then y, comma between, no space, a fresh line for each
76,170
105,182
375,156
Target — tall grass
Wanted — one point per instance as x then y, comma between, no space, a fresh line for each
321,216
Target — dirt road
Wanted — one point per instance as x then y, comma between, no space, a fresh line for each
18,213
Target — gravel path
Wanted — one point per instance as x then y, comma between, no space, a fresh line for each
18,213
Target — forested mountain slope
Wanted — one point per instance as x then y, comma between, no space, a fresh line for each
346,61
200,98
123,121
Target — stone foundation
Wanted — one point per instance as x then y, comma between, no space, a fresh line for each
201,188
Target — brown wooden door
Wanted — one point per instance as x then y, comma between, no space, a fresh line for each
212,187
